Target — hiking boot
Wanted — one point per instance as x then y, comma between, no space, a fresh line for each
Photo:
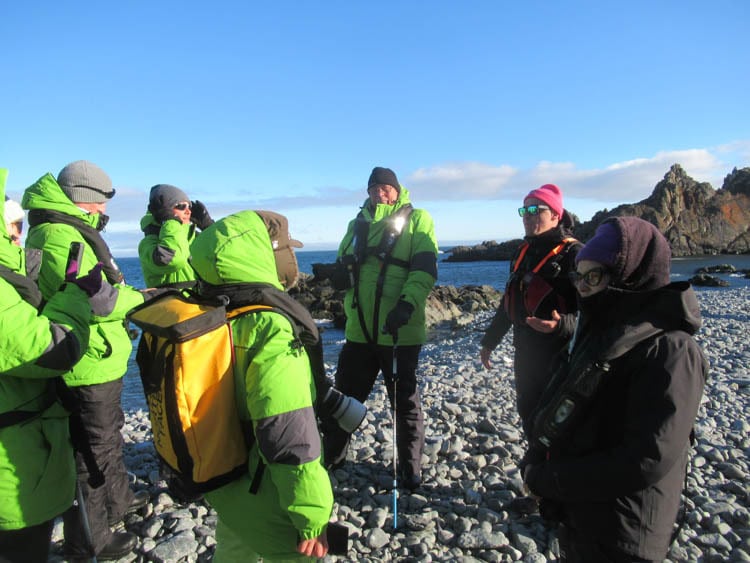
524,505
410,480
140,499
119,545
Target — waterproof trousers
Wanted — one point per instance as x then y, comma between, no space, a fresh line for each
581,547
102,476
27,545
357,370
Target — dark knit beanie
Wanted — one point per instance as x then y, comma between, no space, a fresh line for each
84,182
382,175
642,259
164,197
604,247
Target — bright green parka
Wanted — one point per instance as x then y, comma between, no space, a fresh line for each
275,391
37,470
106,357
411,271
164,251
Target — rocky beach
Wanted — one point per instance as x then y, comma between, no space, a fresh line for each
465,509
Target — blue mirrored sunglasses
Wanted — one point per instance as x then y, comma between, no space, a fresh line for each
532,209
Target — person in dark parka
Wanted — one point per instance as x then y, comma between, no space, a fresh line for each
539,302
612,465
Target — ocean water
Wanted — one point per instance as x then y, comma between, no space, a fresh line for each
449,273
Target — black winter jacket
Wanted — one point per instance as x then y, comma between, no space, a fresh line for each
535,351
619,472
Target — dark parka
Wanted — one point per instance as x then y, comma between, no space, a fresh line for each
37,471
410,277
534,351
618,472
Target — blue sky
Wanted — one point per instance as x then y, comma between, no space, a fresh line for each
289,105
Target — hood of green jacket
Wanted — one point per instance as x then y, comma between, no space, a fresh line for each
147,220
46,193
235,249
11,256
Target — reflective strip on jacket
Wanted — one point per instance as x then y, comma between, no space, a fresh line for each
416,246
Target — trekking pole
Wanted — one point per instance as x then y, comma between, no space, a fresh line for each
395,449
85,521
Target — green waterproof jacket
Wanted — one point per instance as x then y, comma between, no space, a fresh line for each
409,272
276,393
109,347
37,469
164,251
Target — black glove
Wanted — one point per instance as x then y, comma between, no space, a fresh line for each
91,283
199,215
398,317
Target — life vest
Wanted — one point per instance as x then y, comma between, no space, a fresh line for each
525,293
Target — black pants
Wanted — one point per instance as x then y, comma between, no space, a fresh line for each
102,476
358,367
27,545
578,547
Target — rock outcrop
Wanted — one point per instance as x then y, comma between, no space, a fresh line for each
695,218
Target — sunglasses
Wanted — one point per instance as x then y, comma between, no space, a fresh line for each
592,278
183,206
532,210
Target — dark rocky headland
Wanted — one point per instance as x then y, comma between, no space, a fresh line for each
695,218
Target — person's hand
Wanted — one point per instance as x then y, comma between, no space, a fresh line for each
398,317
91,283
314,547
484,355
199,215
544,325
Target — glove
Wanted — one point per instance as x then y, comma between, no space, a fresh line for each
91,283
199,215
398,317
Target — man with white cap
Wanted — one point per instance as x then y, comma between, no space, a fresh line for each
14,217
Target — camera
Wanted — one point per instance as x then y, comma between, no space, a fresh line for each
343,274
346,411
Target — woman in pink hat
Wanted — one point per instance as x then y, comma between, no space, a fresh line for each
539,300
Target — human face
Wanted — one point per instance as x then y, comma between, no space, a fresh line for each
545,220
590,277
382,193
182,211
14,232
93,208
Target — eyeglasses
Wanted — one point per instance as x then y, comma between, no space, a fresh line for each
592,278
183,206
532,210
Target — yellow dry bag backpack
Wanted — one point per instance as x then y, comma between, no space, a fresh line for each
186,360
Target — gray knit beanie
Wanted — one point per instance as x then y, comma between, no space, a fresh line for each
165,196
84,182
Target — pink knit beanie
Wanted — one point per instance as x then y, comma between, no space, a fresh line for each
549,194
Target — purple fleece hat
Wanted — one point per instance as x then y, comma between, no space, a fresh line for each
604,247
635,252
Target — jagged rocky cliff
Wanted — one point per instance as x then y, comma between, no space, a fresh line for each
695,218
